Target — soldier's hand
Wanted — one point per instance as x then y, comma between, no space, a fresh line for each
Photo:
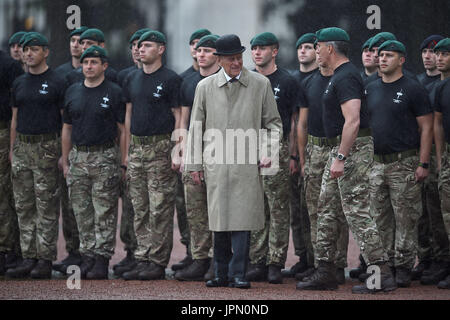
60,164
421,174
10,156
175,166
293,167
198,177
337,169
65,168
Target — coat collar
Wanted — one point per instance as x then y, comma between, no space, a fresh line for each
244,79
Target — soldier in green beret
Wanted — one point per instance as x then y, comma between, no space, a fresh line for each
193,40
368,60
15,49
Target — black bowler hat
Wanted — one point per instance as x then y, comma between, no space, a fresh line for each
229,45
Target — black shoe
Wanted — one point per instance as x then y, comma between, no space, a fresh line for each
418,271
435,274
134,274
153,272
73,259
275,276
23,270
362,268
302,276
340,276
195,272
87,263
2,263
183,263
299,267
403,277
100,269
256,272
217,283
210,274
239,283
387,284
323,279
120,270
444,284
42,270
13,260
363,277
129,259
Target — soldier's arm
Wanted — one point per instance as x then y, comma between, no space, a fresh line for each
13,133
302,136
127,131
66,143
122,144
426,140
351,112
293,151
438,137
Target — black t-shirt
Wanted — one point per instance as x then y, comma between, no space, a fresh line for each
393,109
94,112
186,73
188,86
302,76
121,76
77,75
375,77
10,69
314,88
65,68
426,80
442,105
152,96
346,84
39,99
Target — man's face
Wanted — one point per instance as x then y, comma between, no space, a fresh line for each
150,52
135,52
429,59
390,62
15,51
206,57
75,47
87,43
443,61
306,53
232,65
368,59
192,46
93,68
374,51
323,53
263,55
35,55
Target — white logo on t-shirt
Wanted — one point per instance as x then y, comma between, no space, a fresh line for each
157,93
44,88
105,102
277,90
399,95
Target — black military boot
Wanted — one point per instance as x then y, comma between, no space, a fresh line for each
87,263
445,284
436,273
355,273
323,279
418,270
2,263
13,260
274,276
387,282
303,275
183,263
210,274
127,264
73,259
340,276
42,270
256,272
299,267
195,272
403,277
100,269
134,274
23,270
153,272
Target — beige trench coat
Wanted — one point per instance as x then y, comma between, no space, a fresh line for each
234,191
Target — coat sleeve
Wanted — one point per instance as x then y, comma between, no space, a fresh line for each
194,147
271,121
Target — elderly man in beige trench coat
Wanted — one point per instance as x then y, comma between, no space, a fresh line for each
234,103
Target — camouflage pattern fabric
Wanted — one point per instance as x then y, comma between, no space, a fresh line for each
93,182
36,194
444,189
197,216
69,222
351,191
127,234
269,246
182,219
315,163
396,205
9,225
152,190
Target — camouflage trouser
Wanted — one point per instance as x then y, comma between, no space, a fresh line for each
182,219
351,191
316,160
9,226
270,245
444,189
432,240
197,215
127,234
93,182
396,205
152,190
69,222
36,193
300,225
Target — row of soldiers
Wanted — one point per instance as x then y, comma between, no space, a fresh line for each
102,121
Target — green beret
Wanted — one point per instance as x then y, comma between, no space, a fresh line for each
137,35
366,44
443,45
199,34
153,36
332,34
35,39
24,37
93,34
208,41
15,38
306,38
381,37
264,39
78,32
94,52
392,45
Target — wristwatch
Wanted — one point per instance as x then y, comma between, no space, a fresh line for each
424,165
341,157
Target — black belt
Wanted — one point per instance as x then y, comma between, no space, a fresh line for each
150,139
394,157
95,148
37,138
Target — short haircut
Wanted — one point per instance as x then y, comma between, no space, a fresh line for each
342,47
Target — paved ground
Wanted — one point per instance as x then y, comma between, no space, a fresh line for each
117,289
